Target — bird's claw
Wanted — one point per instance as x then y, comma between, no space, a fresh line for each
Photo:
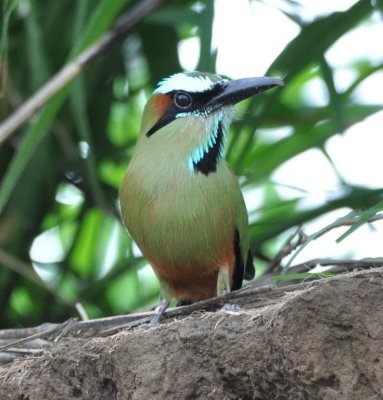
155,321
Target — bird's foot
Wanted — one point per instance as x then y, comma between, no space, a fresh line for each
155,321
227,307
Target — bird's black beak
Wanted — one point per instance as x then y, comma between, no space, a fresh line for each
234,91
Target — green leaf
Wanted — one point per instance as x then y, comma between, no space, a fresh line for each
207,60
40,69
317,37
102,17
32,139
362,218
83,258
267,227
336,102
309,46
168,15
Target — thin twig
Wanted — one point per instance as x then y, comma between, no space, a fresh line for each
70,71
303,239
288,248
337,267
35,344
82,312
20,333
347,265
348,222
14,264
48,331
336,224
65,329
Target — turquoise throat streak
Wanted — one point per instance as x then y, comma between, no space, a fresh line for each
210,151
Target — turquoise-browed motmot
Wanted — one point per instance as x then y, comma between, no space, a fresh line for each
180,201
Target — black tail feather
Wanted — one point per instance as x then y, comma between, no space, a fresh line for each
241,270
249,269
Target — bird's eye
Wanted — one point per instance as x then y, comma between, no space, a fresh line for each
182,99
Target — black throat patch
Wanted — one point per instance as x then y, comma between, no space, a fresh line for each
208,162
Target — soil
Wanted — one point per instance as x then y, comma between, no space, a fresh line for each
322,340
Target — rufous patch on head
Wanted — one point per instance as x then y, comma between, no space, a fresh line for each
162,103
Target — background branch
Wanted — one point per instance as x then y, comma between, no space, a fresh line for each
70,71
303,239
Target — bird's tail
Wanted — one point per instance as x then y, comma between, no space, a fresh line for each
249,268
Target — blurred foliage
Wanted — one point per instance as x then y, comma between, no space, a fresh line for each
61,239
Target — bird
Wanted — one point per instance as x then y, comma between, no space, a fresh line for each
179,199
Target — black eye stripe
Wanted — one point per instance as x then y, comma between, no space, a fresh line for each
198,101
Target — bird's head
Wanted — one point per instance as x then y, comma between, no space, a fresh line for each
192,112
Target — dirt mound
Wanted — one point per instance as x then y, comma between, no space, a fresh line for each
318,340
